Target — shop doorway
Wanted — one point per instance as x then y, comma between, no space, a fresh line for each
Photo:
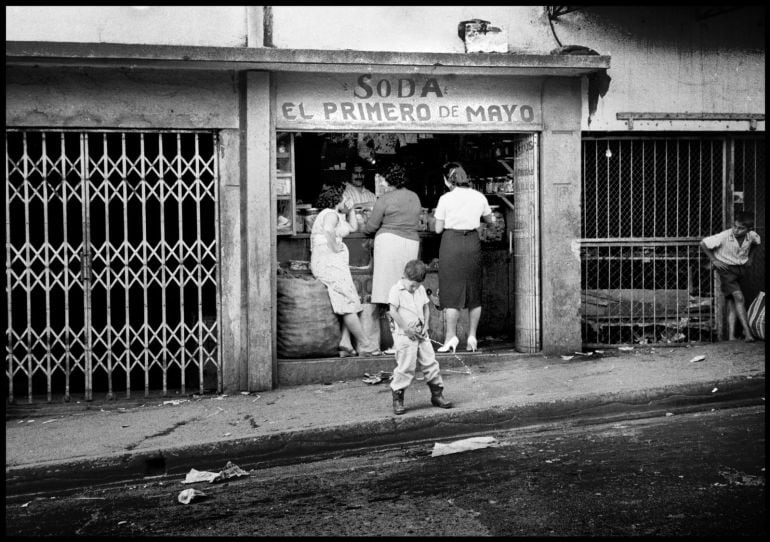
502,166
112,262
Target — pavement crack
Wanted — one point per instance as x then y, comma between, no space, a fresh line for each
162,433
251,420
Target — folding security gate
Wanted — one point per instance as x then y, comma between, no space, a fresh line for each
112,270
647,203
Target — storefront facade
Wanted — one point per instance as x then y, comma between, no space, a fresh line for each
244,109
167,209
410,102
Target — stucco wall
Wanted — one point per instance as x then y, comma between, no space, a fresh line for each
120,98
223,26
664,59
394,28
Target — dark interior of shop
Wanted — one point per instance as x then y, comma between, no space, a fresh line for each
330,157
491,161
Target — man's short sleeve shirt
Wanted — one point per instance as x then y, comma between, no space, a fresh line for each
726,248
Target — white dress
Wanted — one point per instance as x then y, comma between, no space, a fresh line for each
333,268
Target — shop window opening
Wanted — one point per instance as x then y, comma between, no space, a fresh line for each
502,166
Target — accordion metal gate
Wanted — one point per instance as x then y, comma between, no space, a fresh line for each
112,269
647,203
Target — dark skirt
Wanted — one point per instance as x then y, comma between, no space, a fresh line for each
459,269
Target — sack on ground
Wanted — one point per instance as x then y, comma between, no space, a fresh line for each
757,316
307,325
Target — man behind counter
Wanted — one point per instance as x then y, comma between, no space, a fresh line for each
355,193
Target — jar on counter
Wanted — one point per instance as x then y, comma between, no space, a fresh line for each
310,215
299,218
423,225
431,220
494,232
362,216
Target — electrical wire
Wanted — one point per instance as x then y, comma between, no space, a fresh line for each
553,31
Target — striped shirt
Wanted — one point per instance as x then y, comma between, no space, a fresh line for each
358,196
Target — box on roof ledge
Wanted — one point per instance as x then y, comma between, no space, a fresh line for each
482,37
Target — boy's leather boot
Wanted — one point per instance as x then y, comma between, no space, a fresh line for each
436,397
398,402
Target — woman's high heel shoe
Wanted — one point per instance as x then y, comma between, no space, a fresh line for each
472,344
451,343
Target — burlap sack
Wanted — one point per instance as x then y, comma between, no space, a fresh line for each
307,326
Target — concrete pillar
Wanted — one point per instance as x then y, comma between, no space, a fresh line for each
258,236
561,215
232,340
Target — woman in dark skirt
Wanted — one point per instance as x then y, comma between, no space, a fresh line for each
458,216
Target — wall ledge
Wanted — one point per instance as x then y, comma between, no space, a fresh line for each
270,59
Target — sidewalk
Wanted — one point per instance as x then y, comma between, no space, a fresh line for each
67,444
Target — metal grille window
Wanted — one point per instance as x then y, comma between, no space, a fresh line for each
111,261
749,180
647,203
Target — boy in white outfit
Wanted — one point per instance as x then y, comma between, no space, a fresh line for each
410,312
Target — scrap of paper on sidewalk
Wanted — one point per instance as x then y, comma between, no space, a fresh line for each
231,470
382,376
464,445
200,476
188,495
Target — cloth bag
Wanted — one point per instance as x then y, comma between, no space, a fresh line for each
307,325
757,316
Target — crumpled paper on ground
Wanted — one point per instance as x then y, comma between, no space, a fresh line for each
382,376
200,476
464,445
188,495
231,470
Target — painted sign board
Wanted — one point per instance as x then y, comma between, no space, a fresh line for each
404,102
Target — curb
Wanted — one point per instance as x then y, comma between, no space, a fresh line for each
291,446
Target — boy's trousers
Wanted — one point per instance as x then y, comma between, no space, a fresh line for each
409,354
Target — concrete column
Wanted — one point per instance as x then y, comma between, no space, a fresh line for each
232,342
259,235
560,215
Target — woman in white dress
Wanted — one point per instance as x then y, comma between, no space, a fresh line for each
330,263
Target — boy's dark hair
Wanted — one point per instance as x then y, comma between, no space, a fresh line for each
415,270
745,218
